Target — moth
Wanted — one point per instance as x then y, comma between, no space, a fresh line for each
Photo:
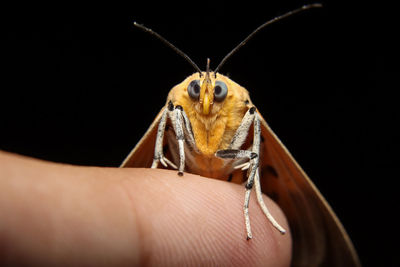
210,127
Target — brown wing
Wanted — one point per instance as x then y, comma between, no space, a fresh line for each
142,154
319,238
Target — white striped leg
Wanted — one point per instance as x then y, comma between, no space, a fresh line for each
158,149
241,133
235,153
256,148
182,128
240,137
178,126
264,207
249,186
253,170
246,213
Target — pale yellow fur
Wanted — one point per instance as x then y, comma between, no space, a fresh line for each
214,131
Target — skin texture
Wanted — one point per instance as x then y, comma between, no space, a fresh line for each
57,214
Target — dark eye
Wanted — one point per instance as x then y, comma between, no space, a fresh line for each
220,91
194,89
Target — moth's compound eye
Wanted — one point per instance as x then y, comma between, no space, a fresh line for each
194,89
220,91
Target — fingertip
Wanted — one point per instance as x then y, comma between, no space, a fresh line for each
197,219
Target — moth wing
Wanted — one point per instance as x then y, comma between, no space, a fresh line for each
319,239
143,153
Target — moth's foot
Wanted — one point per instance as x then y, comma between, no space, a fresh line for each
164,161
243,166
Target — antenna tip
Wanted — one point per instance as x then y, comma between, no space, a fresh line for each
315,5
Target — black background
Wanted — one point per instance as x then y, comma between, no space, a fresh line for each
80,85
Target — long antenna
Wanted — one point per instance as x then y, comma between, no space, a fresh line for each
177,50
290,13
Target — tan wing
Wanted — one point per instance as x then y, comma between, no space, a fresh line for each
143,153
319,238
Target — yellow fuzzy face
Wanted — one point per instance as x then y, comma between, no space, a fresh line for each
215,106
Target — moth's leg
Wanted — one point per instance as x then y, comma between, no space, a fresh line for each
233,152
178,126
264,207
241,133
158,150
253,165
246,212
253,157
249,186
256,149
240,136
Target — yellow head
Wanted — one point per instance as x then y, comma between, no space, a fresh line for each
215,106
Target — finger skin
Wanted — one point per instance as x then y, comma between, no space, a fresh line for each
56,214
